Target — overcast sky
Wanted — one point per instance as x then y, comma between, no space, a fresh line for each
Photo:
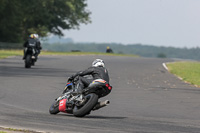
154,22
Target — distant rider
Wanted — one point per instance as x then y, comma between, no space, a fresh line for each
97,71
109,50
33,39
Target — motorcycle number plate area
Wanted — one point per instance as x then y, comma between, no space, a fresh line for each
62,105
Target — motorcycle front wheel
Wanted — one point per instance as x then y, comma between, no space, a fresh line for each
91,101
54,109
28,61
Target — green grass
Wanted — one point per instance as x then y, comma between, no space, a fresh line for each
8,130
7,53
2,132
188,71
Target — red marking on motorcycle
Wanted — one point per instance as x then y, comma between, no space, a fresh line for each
109,87
62,105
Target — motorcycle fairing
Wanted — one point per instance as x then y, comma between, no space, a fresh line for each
62,105
100,87
98,80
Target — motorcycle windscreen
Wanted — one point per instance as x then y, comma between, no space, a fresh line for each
62,105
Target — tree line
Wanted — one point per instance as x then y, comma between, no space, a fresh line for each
138,49
19,18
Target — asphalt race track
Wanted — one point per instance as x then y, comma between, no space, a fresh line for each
145,98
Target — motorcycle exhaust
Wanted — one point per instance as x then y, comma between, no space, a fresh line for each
101,104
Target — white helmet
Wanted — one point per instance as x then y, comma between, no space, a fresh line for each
98,63
36,36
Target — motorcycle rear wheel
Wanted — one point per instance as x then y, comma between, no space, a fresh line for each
54,109
92,100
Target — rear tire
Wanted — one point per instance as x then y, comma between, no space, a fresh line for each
54,109
28,61
92,100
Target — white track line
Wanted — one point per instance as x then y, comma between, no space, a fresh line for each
164,65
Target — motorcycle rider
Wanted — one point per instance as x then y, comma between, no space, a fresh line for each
33,39
38,46
97,71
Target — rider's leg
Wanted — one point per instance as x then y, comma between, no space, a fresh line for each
36,54
82,83
24,53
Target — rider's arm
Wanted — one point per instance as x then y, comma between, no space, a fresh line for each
88,71
39,45
25,44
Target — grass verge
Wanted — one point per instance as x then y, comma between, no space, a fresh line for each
187,71
12,130
7,53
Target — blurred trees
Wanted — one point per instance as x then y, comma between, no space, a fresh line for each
161,55
10,22
19,18
137,49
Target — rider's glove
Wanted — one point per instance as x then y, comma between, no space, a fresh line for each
71,78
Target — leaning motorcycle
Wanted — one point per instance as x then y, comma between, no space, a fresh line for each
30,58
81,103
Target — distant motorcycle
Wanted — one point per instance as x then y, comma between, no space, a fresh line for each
81,104
30,57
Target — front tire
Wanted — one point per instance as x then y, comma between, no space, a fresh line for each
28,61
92,100
54,109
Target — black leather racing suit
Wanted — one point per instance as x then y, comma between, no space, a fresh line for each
37,46
95,72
